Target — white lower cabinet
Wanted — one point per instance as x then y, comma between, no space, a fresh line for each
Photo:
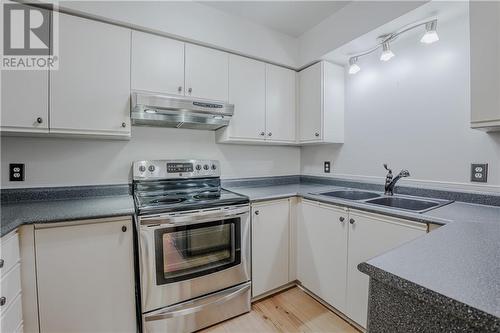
85,276
322,251
270,245
331,243
371,235
11,315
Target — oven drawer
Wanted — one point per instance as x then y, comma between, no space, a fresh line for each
200,312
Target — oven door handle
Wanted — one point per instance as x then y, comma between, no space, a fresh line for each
199,304
197,217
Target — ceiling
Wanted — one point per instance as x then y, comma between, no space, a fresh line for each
289,17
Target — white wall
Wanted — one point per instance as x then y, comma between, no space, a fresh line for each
412,112
199,23
352,21
66,162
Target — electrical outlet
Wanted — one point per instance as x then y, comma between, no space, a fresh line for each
16,172
479,172
326,167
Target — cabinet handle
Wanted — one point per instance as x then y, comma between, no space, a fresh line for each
124,228
351,221
341,219
316,134
257,212
179,89
3,300
262,133
124,124
1,263
270,134
190,90
39,120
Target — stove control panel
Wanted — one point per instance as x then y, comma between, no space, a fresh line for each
175,169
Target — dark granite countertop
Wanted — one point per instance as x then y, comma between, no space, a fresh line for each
456,267
43,208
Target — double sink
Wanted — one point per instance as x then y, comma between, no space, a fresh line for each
408,203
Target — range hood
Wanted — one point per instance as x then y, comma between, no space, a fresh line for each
179,112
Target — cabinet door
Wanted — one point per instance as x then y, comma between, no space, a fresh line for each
322,251
157,64
270,245
280,103
85,276
310,103
22,114
369,236
90,91
206,73
247,91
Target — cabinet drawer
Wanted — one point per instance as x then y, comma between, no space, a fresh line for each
10,252
10,287
11,319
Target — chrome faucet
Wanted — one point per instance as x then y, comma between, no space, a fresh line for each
390,182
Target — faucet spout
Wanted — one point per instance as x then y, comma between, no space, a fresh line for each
390,182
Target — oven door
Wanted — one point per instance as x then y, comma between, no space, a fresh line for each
190,254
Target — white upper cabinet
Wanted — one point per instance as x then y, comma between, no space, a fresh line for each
157,64
371,235
90,92
21,113
321,104
24,101
206,73
280,104
270,245
485,64
247,91
264,103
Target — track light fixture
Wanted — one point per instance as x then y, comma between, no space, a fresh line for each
429,37
353,66
387,54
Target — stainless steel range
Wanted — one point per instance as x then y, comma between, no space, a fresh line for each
194,245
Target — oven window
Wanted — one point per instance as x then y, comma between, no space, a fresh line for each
185,252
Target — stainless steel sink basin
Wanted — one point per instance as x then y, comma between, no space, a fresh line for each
416,205
351,194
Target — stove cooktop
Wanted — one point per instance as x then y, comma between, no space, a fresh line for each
178,201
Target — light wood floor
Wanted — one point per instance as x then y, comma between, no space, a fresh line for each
289,311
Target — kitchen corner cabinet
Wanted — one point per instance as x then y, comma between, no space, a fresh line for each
371,235
157,64
90,92
270,245
321,104
206,73
322,251
85,276
264,103
485,64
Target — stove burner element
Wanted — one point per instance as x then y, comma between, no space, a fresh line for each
207,196
167,200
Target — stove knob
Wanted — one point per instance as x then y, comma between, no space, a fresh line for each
142,168
151,168
198,167
214,167
206,167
